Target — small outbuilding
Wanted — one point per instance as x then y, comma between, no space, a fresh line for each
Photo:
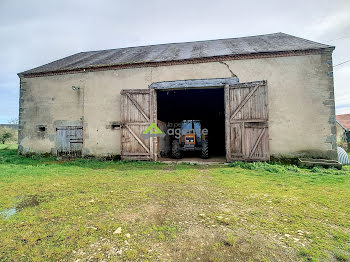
261,96
343,130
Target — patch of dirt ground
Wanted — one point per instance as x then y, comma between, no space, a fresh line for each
197,225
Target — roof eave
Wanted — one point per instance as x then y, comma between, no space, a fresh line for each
342,125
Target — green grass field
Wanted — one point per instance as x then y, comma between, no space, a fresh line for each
88,210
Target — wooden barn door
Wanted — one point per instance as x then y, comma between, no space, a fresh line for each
247,136
69,141
138,111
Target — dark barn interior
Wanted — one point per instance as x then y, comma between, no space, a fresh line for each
206,105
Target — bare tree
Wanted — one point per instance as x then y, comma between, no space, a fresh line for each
13,121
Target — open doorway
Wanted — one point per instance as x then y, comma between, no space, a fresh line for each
205,105
245,117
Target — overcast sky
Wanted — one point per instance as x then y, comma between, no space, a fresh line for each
33,33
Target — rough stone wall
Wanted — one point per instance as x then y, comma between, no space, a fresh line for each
300,92
327,69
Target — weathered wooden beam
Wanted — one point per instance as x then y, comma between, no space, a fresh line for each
227,123
134,91
195,83
310,162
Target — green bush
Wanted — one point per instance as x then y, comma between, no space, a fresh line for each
7,135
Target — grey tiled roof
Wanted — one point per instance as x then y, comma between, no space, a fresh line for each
278,42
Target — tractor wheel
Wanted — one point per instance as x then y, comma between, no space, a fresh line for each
205,149
175,149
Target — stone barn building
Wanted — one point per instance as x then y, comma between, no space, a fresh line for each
262,96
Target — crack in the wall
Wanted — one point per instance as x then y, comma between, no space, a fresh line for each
228,67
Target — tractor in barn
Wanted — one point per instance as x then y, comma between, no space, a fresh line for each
191,137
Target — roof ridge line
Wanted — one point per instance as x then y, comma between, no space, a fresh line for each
187,42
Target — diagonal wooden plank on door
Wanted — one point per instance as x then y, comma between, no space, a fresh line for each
138,106
257,142
245,100
137,138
